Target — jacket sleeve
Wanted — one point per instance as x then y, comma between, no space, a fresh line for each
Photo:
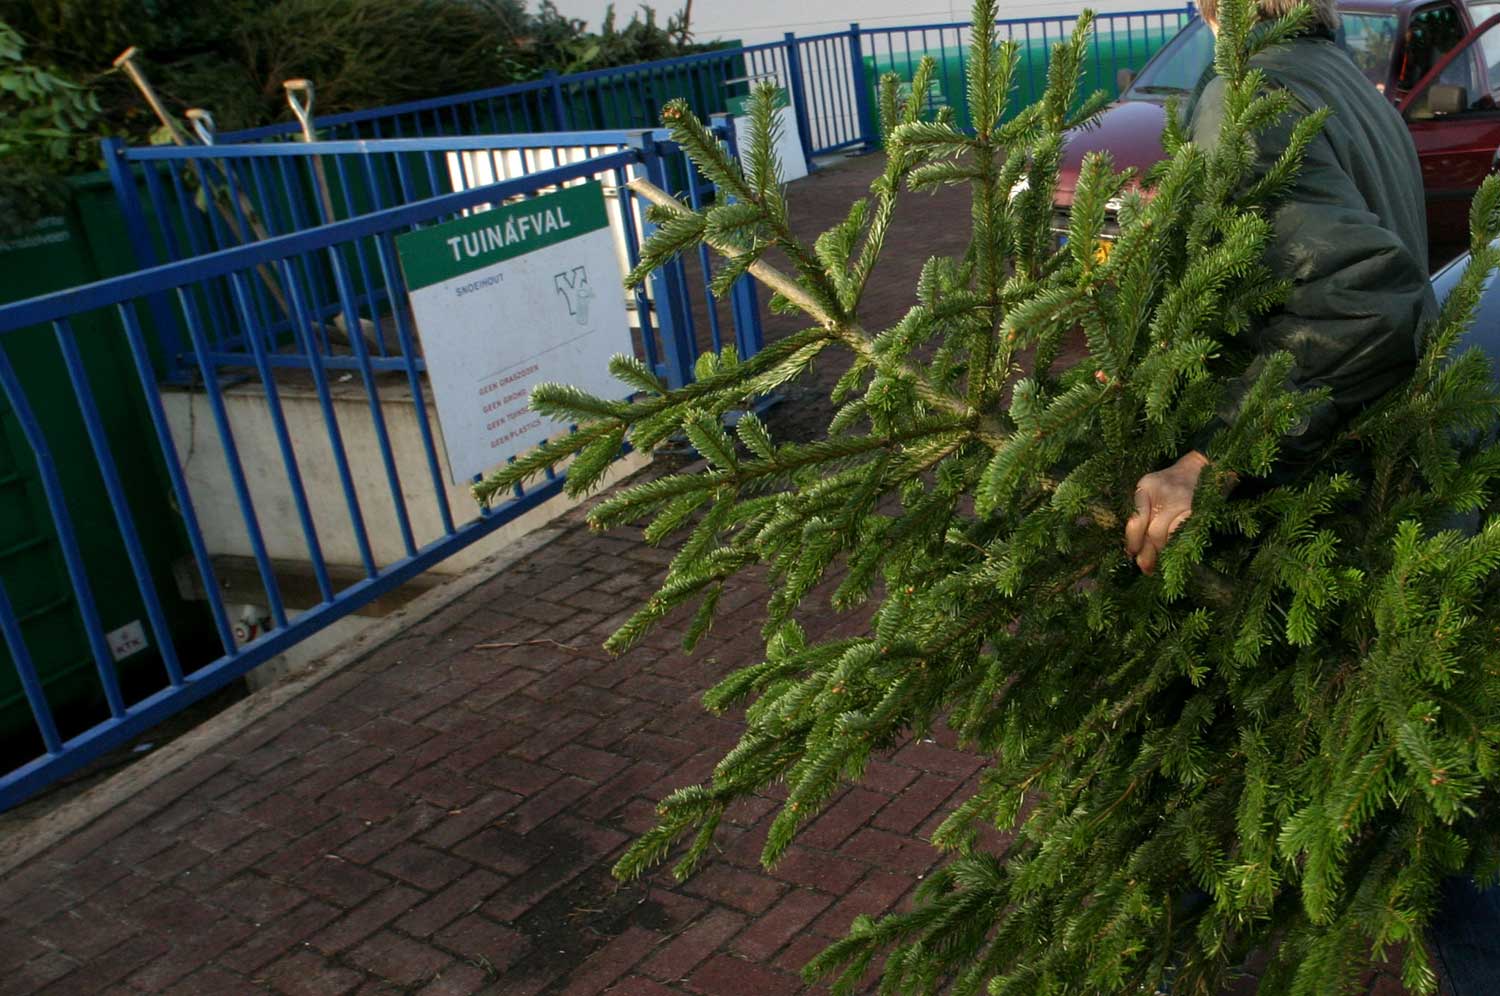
1358,295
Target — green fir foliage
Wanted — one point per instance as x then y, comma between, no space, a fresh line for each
1280,742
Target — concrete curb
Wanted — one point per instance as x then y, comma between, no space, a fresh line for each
28,838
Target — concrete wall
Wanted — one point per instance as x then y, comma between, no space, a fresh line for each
214,498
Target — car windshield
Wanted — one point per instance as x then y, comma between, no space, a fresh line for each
1369,39
1177,68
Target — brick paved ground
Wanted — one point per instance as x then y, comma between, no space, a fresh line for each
441,818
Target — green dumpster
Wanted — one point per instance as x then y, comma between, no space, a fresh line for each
53,255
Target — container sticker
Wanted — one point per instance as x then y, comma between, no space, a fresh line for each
127,640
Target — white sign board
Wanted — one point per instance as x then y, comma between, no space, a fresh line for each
507,299
788,144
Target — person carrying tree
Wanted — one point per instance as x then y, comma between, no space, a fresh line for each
1351,237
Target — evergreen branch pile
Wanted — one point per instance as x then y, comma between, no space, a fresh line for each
1283,741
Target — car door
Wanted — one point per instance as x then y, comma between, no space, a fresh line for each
1453,114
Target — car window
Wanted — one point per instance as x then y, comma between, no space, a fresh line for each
1479,13
1370,39
1469,81
1430,35
1181,63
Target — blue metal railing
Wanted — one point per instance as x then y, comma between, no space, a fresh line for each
276,259
619,97
201,199
184,202
830,77
1119,41
396,504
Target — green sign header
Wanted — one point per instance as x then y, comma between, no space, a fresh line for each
432,255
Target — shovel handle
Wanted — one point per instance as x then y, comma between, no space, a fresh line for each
125,62
299,94
203,124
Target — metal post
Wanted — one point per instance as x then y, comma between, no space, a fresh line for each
559,107
868,130
744,303
798,94
668,283
128,196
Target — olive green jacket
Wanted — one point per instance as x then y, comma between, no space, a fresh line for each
1351,235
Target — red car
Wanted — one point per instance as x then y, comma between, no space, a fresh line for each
1440,71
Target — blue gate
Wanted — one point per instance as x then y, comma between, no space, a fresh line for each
242,319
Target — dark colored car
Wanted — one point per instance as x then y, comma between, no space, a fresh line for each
1440,71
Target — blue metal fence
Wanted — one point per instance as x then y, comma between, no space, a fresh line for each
266,259
626,97
830,78
219,308
183,202
1119,41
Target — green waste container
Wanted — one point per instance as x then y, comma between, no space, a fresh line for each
83,244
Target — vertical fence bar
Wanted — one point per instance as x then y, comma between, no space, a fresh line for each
93,424
385,250
356,328
796,91
559,107
138,232
232,456
175,474
31,684
268,212
284,443
744,305
129,200
642,300
159,207
305,218
330,417
372,393
696,200
67,537
668,284
216,223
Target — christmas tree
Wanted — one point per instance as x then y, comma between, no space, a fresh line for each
1281,741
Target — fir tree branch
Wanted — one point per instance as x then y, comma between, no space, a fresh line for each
849,334
764,272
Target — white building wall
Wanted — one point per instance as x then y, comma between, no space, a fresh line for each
769,20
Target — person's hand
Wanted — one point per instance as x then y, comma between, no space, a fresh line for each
1163,501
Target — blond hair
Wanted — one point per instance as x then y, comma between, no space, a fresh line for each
1325,13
